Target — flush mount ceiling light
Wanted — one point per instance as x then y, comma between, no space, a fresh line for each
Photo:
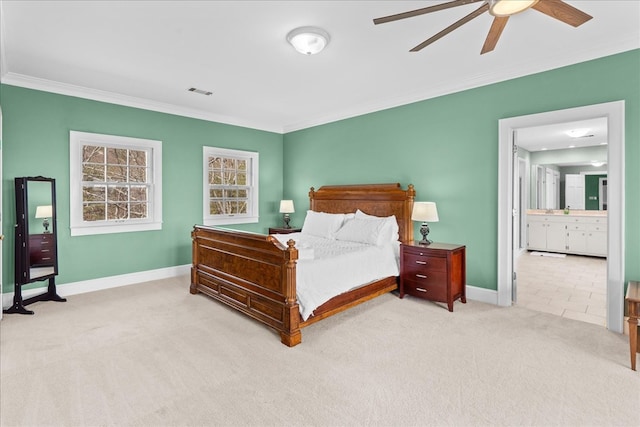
308,40
509,7
578,133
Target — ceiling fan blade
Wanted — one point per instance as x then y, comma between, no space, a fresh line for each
452,27
422,11
495,31
562,11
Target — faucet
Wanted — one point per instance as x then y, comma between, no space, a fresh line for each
549,211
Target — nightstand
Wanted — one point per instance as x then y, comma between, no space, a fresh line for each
435,272
278,230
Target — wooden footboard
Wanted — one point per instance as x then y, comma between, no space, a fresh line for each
256,274
252,273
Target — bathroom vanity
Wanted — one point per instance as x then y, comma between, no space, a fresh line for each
579,232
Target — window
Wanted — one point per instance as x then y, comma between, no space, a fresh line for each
230,186
116,184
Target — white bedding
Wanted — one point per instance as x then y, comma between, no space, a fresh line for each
327,268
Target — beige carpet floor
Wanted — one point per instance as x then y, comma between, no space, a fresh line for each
151,354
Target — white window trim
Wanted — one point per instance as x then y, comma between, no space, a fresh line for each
253,217
82,228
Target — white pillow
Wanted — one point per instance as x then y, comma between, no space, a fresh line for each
389,233
362,231
322,224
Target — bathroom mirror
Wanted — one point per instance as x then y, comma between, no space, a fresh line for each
36,254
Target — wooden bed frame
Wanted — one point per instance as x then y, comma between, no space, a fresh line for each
256,274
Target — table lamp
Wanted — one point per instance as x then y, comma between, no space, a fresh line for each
286,207
46,212
425,212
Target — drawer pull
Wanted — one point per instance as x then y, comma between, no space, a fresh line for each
421,289
421,262
44,250
421,276
46,258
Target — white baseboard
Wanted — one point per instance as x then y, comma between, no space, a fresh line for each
84,286
482,295
473,292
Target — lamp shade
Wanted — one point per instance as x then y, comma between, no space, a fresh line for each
308,40
45,211
286,206
425,212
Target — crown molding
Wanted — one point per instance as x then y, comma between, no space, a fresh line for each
503,74
520,70
29,82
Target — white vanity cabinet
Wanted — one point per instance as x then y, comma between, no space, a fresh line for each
587,235
547,233
581,235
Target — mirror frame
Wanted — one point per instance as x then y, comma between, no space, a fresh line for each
23,274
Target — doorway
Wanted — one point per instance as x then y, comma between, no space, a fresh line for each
567,277
614,114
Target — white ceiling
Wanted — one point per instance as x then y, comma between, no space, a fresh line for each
556,137
148,53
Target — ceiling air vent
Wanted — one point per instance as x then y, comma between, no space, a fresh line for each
200,91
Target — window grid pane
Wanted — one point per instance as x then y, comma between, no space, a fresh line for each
228,189
115,184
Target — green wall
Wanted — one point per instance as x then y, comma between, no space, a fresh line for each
448,148
36,142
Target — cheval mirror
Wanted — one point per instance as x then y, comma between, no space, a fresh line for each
36,253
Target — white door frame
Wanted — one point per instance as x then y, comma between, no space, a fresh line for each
614,112
523,178
1,229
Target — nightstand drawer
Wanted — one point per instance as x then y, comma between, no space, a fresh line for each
428,289
413,262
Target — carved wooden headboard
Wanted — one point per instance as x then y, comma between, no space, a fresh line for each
372,199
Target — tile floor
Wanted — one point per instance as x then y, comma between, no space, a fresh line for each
574,286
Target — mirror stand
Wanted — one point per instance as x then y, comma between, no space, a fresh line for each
19,303
36,254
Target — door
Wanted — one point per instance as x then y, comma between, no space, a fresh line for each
597,242
1,229
515,213
523,194
602,194
556,237
550,193
537,238
574,191
577,240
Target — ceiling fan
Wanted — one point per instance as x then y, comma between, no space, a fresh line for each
501,10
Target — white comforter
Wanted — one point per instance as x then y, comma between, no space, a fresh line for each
327,268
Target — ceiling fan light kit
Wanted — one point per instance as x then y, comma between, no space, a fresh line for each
509,7
501,10
308,40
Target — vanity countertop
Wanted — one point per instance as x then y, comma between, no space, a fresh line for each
572,212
